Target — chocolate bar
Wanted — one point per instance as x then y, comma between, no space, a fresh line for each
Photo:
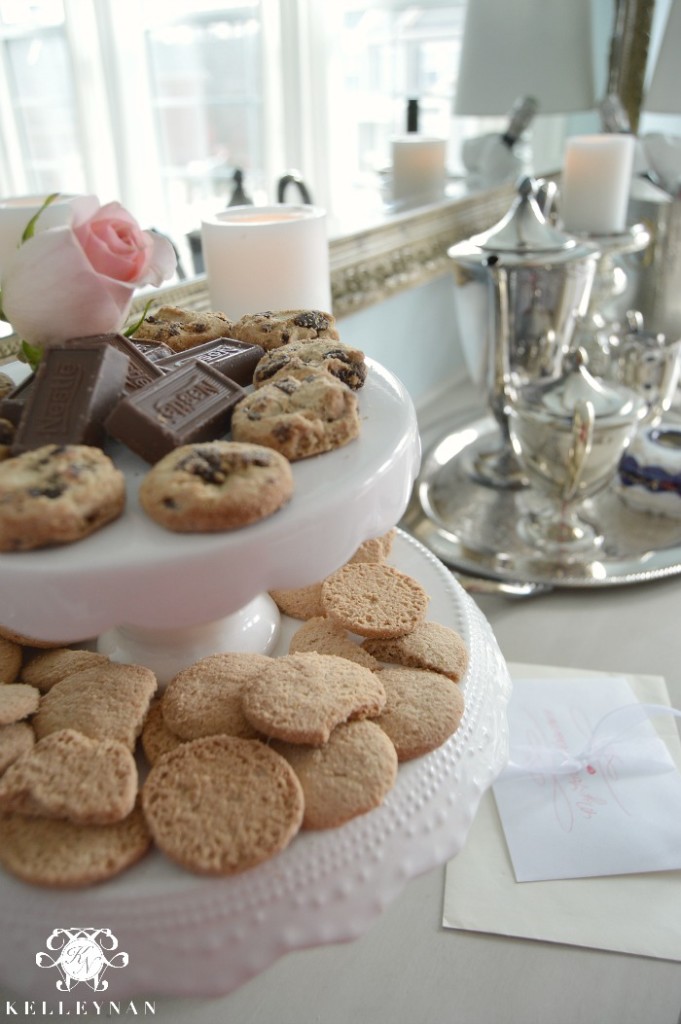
194,403
153,350
236,359
141,371
12,405
74,390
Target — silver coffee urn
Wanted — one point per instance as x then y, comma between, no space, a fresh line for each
519,289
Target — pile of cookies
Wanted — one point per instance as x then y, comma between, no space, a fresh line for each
240,752
283,383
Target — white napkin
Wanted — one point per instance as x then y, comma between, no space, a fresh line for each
635,914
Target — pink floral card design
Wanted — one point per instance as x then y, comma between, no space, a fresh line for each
591,788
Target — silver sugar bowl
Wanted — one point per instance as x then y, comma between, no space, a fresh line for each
649,363
569,435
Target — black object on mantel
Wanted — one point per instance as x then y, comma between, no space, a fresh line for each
293,178
239,197
412,116
521,114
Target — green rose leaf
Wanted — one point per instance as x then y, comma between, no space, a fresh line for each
129,331
31,354
29,230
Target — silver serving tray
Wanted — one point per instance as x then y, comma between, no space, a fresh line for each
474,528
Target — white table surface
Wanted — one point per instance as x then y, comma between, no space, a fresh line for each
408,969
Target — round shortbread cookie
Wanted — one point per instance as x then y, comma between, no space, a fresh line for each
300,698
157,739
273,329
376,549
104,702
346,777
15,739
17,701
57,494
50,667
59,854
205,698
300,602
67,775
297,359
216,485
299,418
423,709
181,329
374,600
221,805
30,641
429,646
11,657
327,637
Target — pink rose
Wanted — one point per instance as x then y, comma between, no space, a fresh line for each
79,280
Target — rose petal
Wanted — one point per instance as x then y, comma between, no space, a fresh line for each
51,293
116,248
162,260
82,208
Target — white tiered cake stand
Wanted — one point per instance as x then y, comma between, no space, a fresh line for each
163,599
173,598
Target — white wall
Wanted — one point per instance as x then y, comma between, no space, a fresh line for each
413,334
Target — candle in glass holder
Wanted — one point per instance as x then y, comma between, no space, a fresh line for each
267,257
16,212
418,168
596,181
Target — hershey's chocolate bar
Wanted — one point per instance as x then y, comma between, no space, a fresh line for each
153,350
73,391
141,371
12,405
236,359
193,403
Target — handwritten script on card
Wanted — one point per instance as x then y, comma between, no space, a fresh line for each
591,788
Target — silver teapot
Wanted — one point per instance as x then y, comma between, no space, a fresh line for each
520,288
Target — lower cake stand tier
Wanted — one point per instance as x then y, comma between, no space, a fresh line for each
191,936
158,596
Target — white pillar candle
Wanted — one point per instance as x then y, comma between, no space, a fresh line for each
418,168
16,212
267,257
596,181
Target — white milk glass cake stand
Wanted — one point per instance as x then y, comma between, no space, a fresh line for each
166,599
190,936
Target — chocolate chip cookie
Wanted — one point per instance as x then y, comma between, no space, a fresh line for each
57,494
273,329
219,485
298,358
299,418
181,329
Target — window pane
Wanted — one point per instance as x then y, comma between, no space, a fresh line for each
387,54
40,78
207,100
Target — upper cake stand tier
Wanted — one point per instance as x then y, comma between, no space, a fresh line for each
135,572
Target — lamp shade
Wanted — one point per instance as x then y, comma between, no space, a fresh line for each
664,95
539,48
